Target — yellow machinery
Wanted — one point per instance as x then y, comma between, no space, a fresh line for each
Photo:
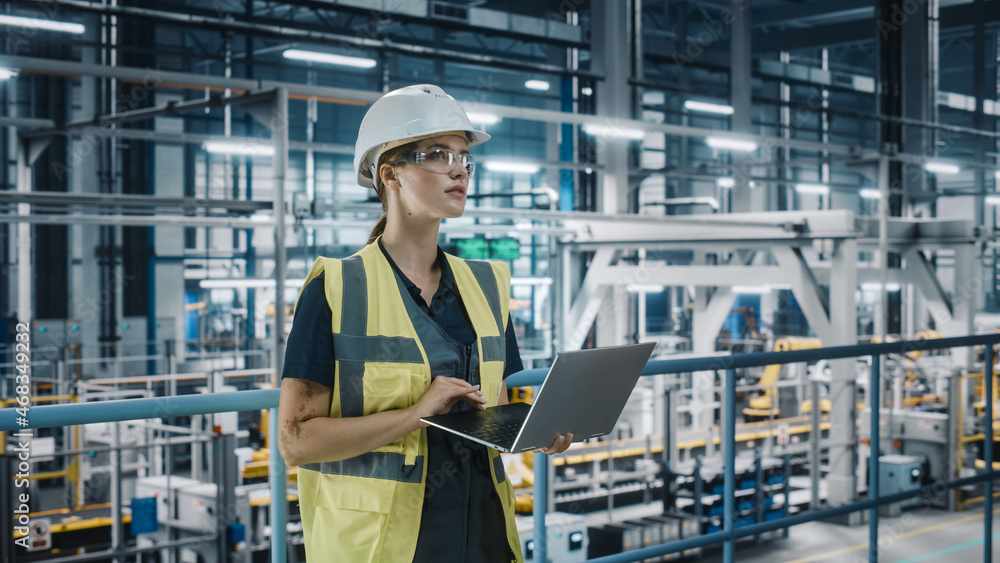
762,406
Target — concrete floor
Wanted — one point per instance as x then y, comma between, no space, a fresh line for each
924,535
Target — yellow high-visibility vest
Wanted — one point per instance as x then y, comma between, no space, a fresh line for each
367,508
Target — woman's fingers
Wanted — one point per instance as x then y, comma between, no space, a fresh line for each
559,445
476,399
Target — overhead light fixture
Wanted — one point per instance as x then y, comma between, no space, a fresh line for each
869,193
731,144
602,130
819,189
644,288
726,182
246,148
484,118
875,286
47,25
6,73
540,85
245,283
587,91
511,166
992,199
708,108
939,167
751,289
329,58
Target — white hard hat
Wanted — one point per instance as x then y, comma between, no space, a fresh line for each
407,114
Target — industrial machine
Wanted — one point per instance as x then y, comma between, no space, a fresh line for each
898,473
763,405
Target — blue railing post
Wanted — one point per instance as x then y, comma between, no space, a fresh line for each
540,505
279,502
875,399
729,501
988,452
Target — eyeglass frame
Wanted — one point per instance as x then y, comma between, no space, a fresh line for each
418,157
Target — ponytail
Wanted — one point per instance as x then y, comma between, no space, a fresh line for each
378,230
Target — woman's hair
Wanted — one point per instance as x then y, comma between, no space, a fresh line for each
387,157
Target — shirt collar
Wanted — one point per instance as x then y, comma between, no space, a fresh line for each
447,277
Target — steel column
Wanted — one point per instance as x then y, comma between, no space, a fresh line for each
729,483
24,185
279,135
874,389
279,504
988,453
539,505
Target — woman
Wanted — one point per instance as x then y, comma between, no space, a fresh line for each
397,332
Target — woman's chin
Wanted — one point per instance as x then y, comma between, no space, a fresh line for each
453,213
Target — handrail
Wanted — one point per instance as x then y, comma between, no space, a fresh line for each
131,409
138,409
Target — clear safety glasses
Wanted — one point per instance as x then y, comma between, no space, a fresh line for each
442,161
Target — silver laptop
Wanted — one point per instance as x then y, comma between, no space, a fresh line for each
584,393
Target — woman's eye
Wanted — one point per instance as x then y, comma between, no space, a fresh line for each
437,155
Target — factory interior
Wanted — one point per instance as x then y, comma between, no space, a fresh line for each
795,200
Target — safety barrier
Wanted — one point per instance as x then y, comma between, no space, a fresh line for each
133,409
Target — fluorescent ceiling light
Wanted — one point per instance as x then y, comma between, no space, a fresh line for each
751,289
247,148
992,199
484,118
244,283
731,144
530,281
600,130
727,182
510,166
537,85
942,167
47,25
6,73
869,193
708,108
329,58
875,286
644,288
812,189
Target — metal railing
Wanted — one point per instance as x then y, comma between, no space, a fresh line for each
113,411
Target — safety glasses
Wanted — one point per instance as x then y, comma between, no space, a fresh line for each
442,161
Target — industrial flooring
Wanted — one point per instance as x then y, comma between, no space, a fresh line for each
918,535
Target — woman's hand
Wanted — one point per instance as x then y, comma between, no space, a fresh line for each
559,445
443,393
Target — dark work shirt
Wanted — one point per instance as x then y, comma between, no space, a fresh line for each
467,494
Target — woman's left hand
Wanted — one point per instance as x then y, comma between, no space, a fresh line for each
559,445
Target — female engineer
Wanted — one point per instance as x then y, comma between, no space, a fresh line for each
399,331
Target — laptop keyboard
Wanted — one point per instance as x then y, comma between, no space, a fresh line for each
499,433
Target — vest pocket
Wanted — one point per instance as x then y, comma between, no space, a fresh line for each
386,387
350,536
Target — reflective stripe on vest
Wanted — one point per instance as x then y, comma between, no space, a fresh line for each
367,508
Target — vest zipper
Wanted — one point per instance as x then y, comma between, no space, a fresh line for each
468,364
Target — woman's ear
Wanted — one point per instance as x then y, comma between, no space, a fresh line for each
388,176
